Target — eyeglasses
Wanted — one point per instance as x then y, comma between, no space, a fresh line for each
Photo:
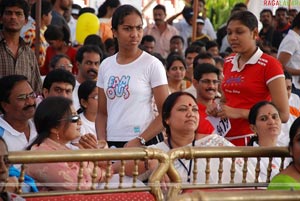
73,118
25,96
94,97
206,81
65,66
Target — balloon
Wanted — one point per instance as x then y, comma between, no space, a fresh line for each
87,24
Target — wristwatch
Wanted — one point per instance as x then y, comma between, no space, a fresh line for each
142,140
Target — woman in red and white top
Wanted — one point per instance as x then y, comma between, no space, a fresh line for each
250,76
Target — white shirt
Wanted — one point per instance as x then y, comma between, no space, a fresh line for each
27,26
87,126
15,140
72,25
291,45
225,44
185,30
129,92
209,30
192,90
294,101
75,96
284,138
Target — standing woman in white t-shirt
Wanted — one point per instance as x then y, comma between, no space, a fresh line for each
126,83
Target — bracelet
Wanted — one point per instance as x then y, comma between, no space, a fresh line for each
142,140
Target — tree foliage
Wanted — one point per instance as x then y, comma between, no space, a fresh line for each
218,11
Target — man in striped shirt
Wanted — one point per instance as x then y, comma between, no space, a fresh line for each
16,56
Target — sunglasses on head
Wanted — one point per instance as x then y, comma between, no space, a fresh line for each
73,118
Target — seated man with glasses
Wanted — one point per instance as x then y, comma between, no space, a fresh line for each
206,82
201,58
17,104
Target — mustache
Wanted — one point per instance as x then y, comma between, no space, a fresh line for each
210,89
29,106
93,71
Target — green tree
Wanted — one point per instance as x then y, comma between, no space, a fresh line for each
218,11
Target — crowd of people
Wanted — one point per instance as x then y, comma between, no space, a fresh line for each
154,85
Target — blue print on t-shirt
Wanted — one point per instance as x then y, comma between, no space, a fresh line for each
234,80
118,87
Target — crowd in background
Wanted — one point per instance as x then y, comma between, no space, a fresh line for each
126,85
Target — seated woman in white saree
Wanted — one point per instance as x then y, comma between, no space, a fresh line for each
265,122
180,117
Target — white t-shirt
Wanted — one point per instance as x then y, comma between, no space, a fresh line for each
27,26
72,25
291,45
284,138
192,90
87,126
225,44
294,101
128,90
75,96
15,140
185,30
208,29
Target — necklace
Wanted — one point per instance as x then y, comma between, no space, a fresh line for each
188,170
